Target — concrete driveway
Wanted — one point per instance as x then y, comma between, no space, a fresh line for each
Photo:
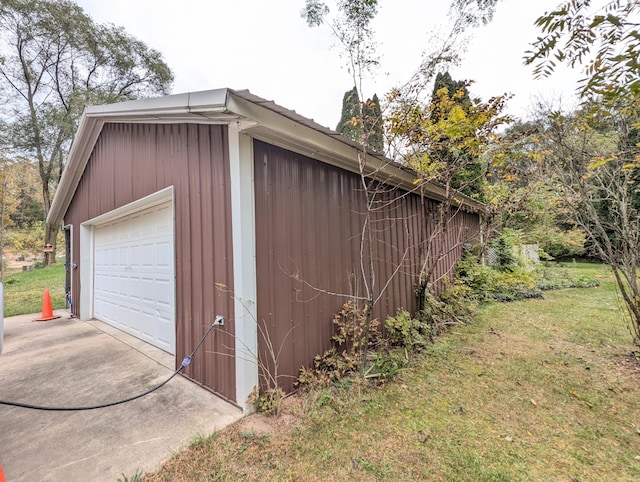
69,362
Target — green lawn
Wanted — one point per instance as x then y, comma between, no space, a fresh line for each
23,291
534,390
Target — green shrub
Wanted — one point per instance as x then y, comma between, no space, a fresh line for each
352,335
352,342
267,401
558,243
386,365
461,300
479,278
456,304
520,281
585,281
350,348
517,282
555,278
405,331
505,250
30,240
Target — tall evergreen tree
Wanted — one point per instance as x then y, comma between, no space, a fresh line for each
455,89
365,127
349,125
470,179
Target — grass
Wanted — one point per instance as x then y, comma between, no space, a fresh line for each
543,390
23,291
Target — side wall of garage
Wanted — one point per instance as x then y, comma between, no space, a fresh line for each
309,224
132,161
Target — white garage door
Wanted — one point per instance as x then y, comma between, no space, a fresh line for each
134,275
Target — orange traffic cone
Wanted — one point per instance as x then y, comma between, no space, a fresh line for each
47,312
2,479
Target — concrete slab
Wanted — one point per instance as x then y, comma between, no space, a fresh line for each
69,362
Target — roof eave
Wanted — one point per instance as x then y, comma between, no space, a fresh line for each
277,125
196,107
86,136
268,121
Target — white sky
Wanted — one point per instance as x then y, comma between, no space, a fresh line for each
265,46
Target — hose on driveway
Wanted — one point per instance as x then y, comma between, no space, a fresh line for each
184,364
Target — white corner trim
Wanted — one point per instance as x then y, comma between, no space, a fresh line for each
86,271
244,263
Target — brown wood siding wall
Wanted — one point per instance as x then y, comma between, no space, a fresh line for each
309,219
131,161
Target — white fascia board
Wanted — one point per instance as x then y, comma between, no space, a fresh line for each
278,129
82,147
153,199
203,101
196,107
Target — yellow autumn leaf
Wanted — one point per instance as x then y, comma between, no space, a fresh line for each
598,162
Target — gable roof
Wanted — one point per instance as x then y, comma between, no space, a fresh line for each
257,117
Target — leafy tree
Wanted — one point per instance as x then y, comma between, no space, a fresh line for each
603,42
409,119
469,178
373,121
24,207
446,136
594,152
55,60
441,139
351,28
464,16
594,158
474,12
444,80
522,196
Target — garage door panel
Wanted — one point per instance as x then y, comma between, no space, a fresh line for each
134,275
123,257
135,230
135,252
162,256
121,286
134,289
112,258
127,317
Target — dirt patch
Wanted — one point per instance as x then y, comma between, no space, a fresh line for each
628,364
15,262
263,425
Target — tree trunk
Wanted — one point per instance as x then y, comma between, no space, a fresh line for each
50,235
51,231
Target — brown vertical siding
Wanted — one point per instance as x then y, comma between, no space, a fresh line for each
131,161
309,219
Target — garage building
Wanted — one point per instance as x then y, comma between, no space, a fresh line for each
181,208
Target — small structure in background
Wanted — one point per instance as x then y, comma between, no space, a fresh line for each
527,252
